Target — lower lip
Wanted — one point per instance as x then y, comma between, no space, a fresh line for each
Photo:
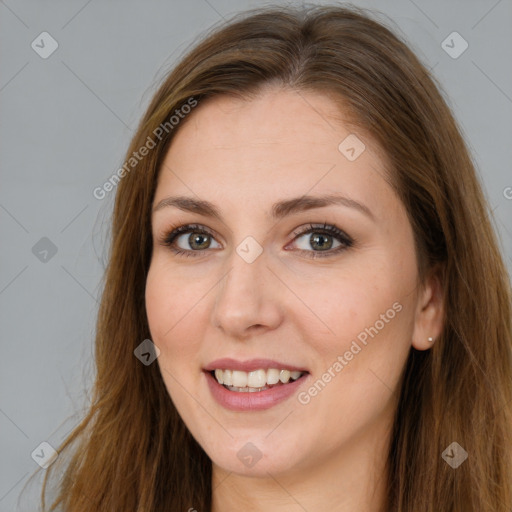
255,401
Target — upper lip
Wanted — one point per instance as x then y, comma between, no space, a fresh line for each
250,365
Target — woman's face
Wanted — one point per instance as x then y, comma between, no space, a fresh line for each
269,286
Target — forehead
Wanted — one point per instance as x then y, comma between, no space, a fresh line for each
281,143
275,116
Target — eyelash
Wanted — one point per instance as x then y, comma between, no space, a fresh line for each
328,229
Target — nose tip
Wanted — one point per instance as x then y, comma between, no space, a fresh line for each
246,300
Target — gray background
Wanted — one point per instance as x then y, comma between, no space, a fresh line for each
66,123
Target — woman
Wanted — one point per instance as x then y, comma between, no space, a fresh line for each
238,368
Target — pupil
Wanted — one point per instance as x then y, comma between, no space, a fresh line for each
322,237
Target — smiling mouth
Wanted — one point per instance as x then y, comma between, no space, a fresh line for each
255,381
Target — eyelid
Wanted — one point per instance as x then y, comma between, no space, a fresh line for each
331,229
173,232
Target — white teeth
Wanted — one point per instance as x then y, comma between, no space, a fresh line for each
239,379
284,376
246,389
272,376
257,380
227,377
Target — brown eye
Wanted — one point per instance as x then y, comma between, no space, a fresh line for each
200,239
321,240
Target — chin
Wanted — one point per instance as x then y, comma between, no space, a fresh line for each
255,455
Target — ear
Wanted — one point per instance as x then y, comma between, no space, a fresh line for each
429,317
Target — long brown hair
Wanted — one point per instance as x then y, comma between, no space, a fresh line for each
132,451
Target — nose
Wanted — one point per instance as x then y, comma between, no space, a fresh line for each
247,299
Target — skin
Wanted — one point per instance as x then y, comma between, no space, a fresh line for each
244,155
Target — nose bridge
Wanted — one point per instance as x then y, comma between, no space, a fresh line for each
244,297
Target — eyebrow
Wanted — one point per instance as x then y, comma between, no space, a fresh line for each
279,210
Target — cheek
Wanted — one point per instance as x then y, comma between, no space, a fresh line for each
172,307
174,329
366,313
357,368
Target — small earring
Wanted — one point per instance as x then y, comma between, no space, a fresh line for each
431,339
